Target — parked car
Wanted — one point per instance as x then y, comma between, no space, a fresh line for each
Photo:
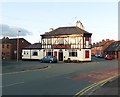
108,57
49,59
99,55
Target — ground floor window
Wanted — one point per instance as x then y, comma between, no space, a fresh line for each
35,53
73,53
49,53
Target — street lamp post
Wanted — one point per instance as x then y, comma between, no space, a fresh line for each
18,46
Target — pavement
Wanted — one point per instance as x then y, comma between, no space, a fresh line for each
14,66
112,88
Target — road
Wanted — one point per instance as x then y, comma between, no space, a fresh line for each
58,79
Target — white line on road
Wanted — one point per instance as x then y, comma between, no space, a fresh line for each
25,71
12,84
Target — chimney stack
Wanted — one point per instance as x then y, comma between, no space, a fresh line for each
80,25
51,29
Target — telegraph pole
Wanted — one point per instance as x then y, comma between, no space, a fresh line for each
18,46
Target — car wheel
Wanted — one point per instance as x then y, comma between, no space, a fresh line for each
50,61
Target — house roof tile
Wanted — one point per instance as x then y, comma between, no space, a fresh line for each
115,46
34,46
65,31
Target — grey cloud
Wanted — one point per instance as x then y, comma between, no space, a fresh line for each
13,31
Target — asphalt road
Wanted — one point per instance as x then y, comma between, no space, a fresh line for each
58,79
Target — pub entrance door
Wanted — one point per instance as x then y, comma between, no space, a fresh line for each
60,56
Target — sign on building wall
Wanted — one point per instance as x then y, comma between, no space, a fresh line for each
60,46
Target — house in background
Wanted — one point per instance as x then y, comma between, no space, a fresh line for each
65,43
32,52
9,48
99,47
114,50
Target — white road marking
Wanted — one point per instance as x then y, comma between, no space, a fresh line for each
25,71
12,84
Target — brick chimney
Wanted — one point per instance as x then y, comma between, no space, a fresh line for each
107,39
103,40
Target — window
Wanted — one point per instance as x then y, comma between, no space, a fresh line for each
7,45
49,41
49,53
35,53
72,40
3,46
3,53
61,40
87,42
73,53
8,53
25,52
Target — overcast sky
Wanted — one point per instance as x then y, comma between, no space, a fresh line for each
35,18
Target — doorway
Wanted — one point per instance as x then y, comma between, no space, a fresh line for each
60,57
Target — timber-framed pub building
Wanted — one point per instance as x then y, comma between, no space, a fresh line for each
73,43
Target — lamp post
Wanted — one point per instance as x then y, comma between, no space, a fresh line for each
18,46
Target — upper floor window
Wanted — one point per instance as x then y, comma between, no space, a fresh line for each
49,41
61,40
7,45
72,40
87,42
3,46
3,53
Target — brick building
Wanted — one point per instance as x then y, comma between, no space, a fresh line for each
114,50
9,48
99,47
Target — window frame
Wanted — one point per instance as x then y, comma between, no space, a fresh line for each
73,53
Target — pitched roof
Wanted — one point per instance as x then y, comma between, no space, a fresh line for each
65,31
34,46
115,46
101,43
11,41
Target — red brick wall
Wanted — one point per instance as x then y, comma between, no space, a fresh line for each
118,55
6,51
11,52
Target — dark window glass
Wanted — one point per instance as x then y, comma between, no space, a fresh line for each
73,53
24,52
35,53
49,53
3,46
7,46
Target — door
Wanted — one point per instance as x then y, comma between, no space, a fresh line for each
60,57
87,55
55,53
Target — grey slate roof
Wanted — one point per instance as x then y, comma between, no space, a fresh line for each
34,46
115,46
65,31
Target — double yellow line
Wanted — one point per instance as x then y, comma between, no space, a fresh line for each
83,91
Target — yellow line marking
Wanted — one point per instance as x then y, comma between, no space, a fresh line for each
83,91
